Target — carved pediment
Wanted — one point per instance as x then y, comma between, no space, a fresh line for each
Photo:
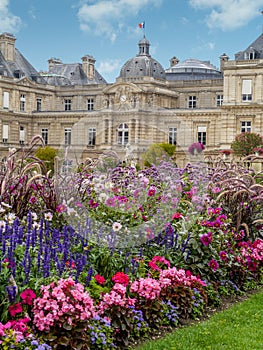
25,81
122,88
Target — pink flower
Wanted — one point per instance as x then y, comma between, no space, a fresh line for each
28,296
158,260
147,288
213,264
121,277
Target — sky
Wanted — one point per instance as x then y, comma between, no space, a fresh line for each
109,30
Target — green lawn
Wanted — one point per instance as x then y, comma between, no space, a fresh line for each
238,328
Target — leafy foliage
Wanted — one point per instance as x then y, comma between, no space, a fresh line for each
244,143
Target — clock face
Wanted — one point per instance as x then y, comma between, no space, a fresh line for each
123,98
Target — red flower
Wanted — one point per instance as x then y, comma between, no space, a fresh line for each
27,296
121,278
157,261
100,279
15,309
67,263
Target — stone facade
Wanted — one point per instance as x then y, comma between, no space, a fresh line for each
73,107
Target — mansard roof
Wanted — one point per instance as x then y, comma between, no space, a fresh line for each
253,51
71,74
19,68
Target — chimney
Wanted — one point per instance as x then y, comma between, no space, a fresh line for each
223,58
7,46
173,61
52,62
88,63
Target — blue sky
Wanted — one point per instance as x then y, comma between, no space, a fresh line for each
108,29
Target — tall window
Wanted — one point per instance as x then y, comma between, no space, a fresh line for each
192,102
92,137
172,136
39,102
201,134
67,136
123,134
21,135
247,90
90,104
22,102
245,126
6,100
44,134
219,100
5,133
67,105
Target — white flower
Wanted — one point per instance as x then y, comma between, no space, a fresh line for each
108,185
2,225
48,216
116,226
34,216
10,218
35,225
102,197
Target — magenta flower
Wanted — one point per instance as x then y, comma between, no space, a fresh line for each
206,239
213,264
111,202
61,208
223,255
151,191
15,309
28,296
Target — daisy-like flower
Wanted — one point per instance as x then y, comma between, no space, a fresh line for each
2,225
48,216
116,226
34,216
10,218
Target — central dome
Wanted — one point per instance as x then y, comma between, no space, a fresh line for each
142,65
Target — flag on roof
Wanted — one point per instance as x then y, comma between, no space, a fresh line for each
142,25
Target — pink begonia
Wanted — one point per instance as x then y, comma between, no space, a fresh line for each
115,297
64,301
174,277
147,288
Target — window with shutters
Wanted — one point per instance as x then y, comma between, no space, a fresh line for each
247,90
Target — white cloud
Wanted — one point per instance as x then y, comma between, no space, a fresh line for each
228,14
106,17
109,66
8,21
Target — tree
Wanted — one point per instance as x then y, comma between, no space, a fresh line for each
158,152
47,154
244,143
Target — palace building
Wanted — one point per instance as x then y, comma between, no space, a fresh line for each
74,108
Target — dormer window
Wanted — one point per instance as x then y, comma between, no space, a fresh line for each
252,55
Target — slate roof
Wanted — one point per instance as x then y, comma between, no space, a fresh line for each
71,74
20,68
142,64
256,47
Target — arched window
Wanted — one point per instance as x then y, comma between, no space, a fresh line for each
123,134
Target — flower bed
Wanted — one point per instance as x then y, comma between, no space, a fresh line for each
107,256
